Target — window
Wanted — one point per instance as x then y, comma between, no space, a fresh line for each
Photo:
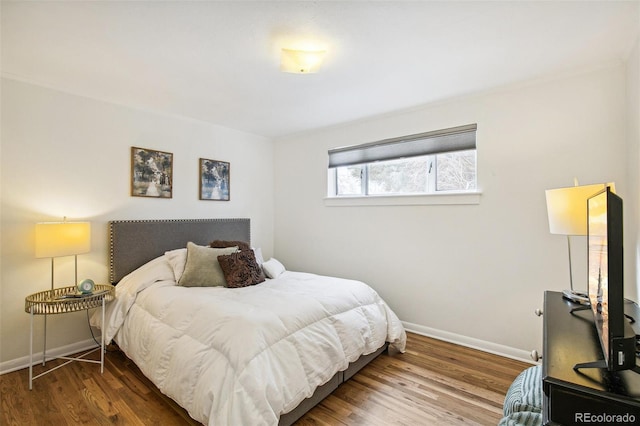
426,163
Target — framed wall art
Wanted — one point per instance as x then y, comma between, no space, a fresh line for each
215,179
151,173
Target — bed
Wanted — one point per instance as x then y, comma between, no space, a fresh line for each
259,354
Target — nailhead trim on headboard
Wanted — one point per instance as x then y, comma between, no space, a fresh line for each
132,243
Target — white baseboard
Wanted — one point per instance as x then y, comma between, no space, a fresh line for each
23,362
470,342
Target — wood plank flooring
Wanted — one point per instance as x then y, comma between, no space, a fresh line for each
433,383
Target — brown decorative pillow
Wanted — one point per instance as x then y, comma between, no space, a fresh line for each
224,244
241,269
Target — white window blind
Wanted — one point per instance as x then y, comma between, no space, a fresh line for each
436,142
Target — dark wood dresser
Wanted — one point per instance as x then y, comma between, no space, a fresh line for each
589,396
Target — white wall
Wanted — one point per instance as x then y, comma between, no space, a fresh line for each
64,155
474,273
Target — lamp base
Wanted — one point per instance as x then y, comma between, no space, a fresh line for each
576,296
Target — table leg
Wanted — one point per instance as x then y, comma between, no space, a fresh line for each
44,345
102,340
31,349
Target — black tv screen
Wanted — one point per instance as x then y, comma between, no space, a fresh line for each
606,280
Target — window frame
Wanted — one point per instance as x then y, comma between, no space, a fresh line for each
428,144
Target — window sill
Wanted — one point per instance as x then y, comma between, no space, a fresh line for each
450,198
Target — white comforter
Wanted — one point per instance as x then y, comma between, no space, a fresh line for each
245,356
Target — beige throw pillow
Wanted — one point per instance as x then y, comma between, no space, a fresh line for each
202,268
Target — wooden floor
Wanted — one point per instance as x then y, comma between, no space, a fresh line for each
433,383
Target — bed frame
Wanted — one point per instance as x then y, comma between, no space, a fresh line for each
132,243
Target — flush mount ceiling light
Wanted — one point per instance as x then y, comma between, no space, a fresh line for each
301,61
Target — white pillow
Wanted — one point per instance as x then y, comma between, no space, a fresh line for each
272,268
177,259
257,251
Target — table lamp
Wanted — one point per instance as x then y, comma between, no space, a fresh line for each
57,239
567,212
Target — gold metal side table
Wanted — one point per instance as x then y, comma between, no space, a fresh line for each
61,301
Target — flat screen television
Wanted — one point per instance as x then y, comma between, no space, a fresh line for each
606,282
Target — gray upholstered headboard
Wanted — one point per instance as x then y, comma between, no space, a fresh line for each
135,242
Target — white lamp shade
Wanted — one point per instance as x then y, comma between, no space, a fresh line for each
567,208
55,239
301,61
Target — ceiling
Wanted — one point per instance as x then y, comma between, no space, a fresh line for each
219,61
